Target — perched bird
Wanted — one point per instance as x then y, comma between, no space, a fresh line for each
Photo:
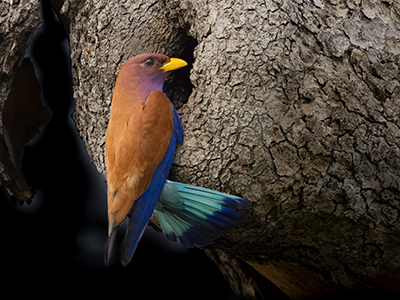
140,144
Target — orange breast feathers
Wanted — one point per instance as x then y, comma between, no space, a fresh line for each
137,138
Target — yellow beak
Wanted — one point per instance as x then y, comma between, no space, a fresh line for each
173,64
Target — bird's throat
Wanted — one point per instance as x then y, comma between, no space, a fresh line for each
147,87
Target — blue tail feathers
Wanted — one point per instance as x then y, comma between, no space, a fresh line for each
196,215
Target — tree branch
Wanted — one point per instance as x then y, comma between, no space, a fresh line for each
21,116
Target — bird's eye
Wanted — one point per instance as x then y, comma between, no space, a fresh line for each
149,62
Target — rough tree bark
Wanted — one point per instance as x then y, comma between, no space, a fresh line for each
21,110
295,106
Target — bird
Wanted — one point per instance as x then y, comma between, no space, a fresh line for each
142,133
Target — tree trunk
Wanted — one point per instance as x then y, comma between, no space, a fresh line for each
21,110
294,105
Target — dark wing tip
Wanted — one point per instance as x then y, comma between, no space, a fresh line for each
110,242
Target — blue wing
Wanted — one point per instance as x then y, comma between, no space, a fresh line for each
143,207
197,215
178,130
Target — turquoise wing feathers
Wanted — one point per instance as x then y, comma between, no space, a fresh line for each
197,215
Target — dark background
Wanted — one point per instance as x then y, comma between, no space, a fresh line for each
55,245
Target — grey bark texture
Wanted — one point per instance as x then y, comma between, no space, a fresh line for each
21,110
295,106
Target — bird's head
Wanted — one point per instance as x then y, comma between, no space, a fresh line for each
147,72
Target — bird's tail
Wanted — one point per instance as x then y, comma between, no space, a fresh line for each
196,215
